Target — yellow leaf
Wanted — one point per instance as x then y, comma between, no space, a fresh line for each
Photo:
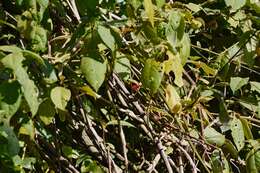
28,129
174,64
148,6
89,91
172,99
208,70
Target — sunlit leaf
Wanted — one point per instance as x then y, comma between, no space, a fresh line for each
89,91
28,162
193,7
152,74
175,28
38,39
107,37
235,4
60,97
148,6
10,48
172,99
253,157
174,64
28,129
246,128
123,67
237,133
94,71
255,86
208,70
122,123
160,3
237,82
249,105
185,48
214,137
30,91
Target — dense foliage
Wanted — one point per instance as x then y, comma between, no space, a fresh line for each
129,86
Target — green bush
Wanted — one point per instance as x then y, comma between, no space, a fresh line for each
129,86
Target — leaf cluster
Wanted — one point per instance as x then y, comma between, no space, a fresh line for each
129,86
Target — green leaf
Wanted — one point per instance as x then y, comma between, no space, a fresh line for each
194,7
235,4
107,37
89,91
255,86
174,64
152,74
87,8
253,157
148,6
38,38
249,105
11,145
172,99
90,166
223,114
10,49
208,70
34,57
237,82
219,162
121,122
257,159
46,111
94,71
70,152
28,163
60,97
237,133
175,28
28,129
230,149
185,48
42,6
246,128
30,91
63,114
160,3
10,99
123,67
214,137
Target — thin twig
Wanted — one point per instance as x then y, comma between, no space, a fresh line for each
206,50
173,164
194,169
154,163
98,140
163,155
181,165
122,135
74,9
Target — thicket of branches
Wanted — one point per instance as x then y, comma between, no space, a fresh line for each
129,86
